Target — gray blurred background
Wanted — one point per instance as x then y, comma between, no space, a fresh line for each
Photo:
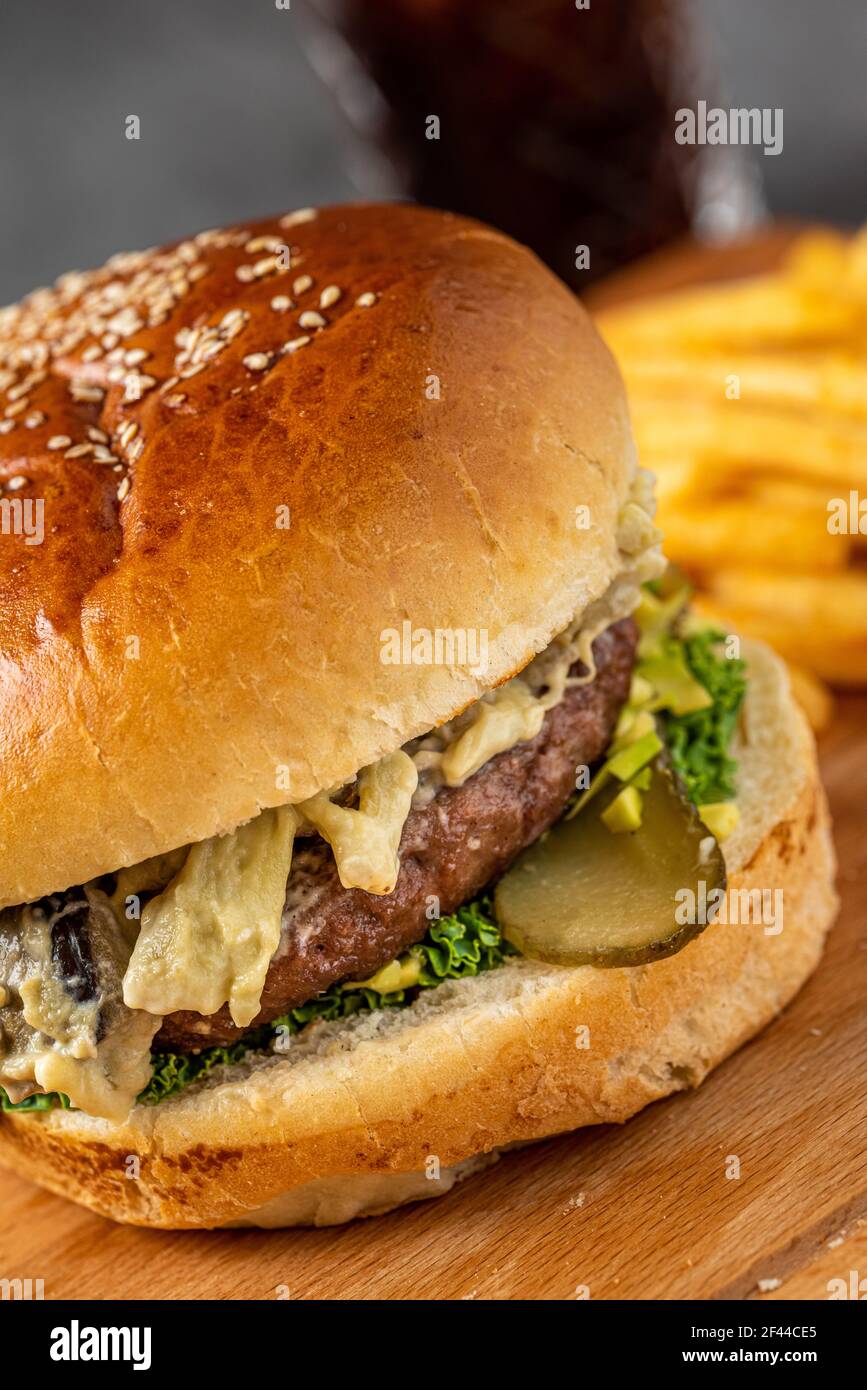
235,123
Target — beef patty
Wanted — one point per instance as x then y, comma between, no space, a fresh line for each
451,849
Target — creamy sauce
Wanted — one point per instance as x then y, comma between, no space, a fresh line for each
149,876
92,1049
208,938
365,839
512,715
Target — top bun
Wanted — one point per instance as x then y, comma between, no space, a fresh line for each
175,657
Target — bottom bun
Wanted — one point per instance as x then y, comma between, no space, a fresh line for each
362,1115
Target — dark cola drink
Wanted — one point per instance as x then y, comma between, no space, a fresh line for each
551,121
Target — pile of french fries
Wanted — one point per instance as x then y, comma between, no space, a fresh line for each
749,402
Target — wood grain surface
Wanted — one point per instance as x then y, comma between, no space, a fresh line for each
643,1211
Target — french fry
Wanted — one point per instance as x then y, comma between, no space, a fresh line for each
819,260
739,438
832,382
749,402
786,494
856,266
705,537
813,696
842,665
679,479
764,311
830,605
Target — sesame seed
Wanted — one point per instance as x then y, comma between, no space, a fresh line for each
59,441
92,353
366,300
103,455
34,419
257,361
302,284
135,356
311,319
127,433
245,273
97,435
280,303
266,266
16,484
294,219
83,391
16,409
329,296
136,449
294,344
122,489
175,400
6,426
78,451
125,322
263,243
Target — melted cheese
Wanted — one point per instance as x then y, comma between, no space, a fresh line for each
365,840
208,938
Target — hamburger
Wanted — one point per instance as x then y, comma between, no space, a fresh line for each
371,801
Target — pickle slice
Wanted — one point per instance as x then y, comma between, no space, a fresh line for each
584,896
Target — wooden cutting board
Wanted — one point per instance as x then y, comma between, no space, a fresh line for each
643,1211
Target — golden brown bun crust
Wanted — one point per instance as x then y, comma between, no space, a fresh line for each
345,1124
169,657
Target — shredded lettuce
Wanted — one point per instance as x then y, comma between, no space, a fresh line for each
699,742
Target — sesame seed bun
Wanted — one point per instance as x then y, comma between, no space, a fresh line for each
253,462
346,1124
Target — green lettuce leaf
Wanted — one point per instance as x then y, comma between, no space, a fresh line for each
40,1102
699,742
